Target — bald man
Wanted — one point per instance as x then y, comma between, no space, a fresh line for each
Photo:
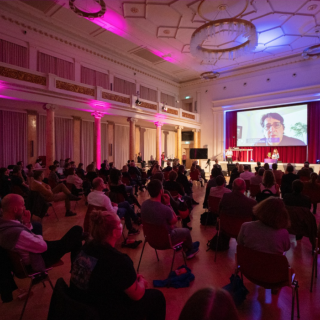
236,203
16,235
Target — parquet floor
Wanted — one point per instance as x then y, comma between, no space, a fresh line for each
260,304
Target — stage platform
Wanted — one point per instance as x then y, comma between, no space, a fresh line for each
281,166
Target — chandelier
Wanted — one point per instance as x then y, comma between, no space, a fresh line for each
85,13
225,36
311,52
210,75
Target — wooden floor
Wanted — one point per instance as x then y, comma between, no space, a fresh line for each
260,304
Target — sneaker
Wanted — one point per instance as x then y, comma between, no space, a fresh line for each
72,197
133,231
192,252
70,214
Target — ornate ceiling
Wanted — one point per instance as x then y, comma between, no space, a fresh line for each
158,32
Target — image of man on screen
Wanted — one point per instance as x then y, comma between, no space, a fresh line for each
273,129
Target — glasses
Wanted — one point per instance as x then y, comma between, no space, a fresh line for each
275,125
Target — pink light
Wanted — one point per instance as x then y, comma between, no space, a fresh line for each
160,117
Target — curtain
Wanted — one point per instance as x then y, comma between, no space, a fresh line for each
167,99
313,131
13,54
63,129
287,154
123,86
41,135
13,142
150,140
148,94
121,145
104,142
168,142
59,67
94,78
87,137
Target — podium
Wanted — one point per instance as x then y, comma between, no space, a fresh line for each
267,160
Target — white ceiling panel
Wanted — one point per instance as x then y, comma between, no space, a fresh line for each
298,24
287,6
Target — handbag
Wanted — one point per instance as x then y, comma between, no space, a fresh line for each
236,289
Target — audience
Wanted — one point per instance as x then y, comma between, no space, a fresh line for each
183,180
246,175
20,163
5,183
266,166
80,172
269,183
123,209
296,198
74,179
215,172
60,192
91,173
304,173
257,179
217,165
287,179
268,234
194,171
277,173
106,279
234,175
258,166
220,189
209,304
157,210
53,178
38,164
168,167
18,181
312,188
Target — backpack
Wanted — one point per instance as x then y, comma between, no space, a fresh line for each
264,195
212,219
223,243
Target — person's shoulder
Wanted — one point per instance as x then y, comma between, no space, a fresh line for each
292,140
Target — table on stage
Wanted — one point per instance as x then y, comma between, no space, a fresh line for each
238,150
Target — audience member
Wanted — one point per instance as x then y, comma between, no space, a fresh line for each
38,164
183,180
53,178
246,175
154,212
217,165
168,167
24,176
287,179
269,183
172,184
266,166
91,173
269,234
220,189
209,304
296,198
194,171
74,179
66,168
5,183
257,179
258,166
130,183
312,188
123,209
60,192
18,181
135,175
80,172
234,175
215,172
202,173
16,235
111,284
72,164
277,173
30,171
305,172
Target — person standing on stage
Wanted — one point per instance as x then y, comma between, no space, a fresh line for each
275,154
229,155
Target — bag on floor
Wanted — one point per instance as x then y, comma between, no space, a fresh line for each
223,243
237,289
212,219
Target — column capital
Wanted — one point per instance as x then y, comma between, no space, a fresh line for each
195,130
132,119
97,114
178,127
76,118
158,123
49,106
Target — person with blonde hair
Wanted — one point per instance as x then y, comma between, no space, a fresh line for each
268,234
106,279
269,183
209,304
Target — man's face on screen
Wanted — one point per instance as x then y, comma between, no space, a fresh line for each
273,131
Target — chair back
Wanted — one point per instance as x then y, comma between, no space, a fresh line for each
247,185
231,224
63,307
166,175
264,269
116,197
126,181
157,236
254,189
17,265
213,204
144,175
174,193
86,222
194,176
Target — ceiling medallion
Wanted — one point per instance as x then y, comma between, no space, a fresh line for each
210,75
312,52
202,38
312,7
89,15
134,10
166,31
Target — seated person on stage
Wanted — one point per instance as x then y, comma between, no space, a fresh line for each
5,183
257,179
296,198
105,278
16,235
123,209
277,173
154,212
273,130
74,179
246,175
168,167
18,181
217,165
58,193
215,172
229,155
287,179
269,183
53,178
268,234
258,166
116,186
220,189
236,203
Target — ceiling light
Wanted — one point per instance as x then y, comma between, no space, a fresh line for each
311,52
89,15
210,75
312,7
187,97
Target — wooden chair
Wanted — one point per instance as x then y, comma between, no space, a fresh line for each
126,181
20,271
247,185
74,191
166,175
254,190
270,271
213,207
159,238
194,176
230,225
